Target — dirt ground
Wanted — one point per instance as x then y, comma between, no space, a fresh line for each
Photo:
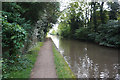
44,66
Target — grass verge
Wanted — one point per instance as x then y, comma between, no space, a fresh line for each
62,68
25,73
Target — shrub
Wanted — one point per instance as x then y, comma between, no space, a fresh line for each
65,32
19,64
13,38
81,33
21,67
108,34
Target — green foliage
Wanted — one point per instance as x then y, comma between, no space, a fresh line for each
114,6
25,73
82,33
28,16
21,67
91,36
64,30
108,34
53,32
13,37
13,15
12,11
19,22
20,63
97,24
35,48
40,9
62,68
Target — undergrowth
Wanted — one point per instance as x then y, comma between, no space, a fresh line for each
24,64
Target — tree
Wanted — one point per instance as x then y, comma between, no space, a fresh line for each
114,7
94,15
102,13
19,22
91,21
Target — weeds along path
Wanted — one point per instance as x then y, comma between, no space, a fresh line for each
44,66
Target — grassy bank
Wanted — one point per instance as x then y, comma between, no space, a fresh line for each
31,56
62,68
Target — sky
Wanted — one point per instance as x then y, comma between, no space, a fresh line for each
63,4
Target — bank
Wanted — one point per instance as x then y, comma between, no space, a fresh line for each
62,68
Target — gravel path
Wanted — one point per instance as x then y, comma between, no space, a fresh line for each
44,66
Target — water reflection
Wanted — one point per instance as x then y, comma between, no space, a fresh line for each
88,60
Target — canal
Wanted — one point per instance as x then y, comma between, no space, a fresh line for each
88,60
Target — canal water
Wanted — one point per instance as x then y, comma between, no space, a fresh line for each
89,60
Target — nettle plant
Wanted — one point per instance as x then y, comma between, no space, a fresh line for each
13,38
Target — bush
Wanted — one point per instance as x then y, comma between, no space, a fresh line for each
22,63
108,34
13,38
19,64
65,32
82,33
26,63
91,36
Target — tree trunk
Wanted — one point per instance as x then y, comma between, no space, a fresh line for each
101,13
94,16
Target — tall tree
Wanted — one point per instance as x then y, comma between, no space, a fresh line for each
94,16
114,7
102,13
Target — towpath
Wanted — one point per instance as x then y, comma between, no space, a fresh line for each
44,66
